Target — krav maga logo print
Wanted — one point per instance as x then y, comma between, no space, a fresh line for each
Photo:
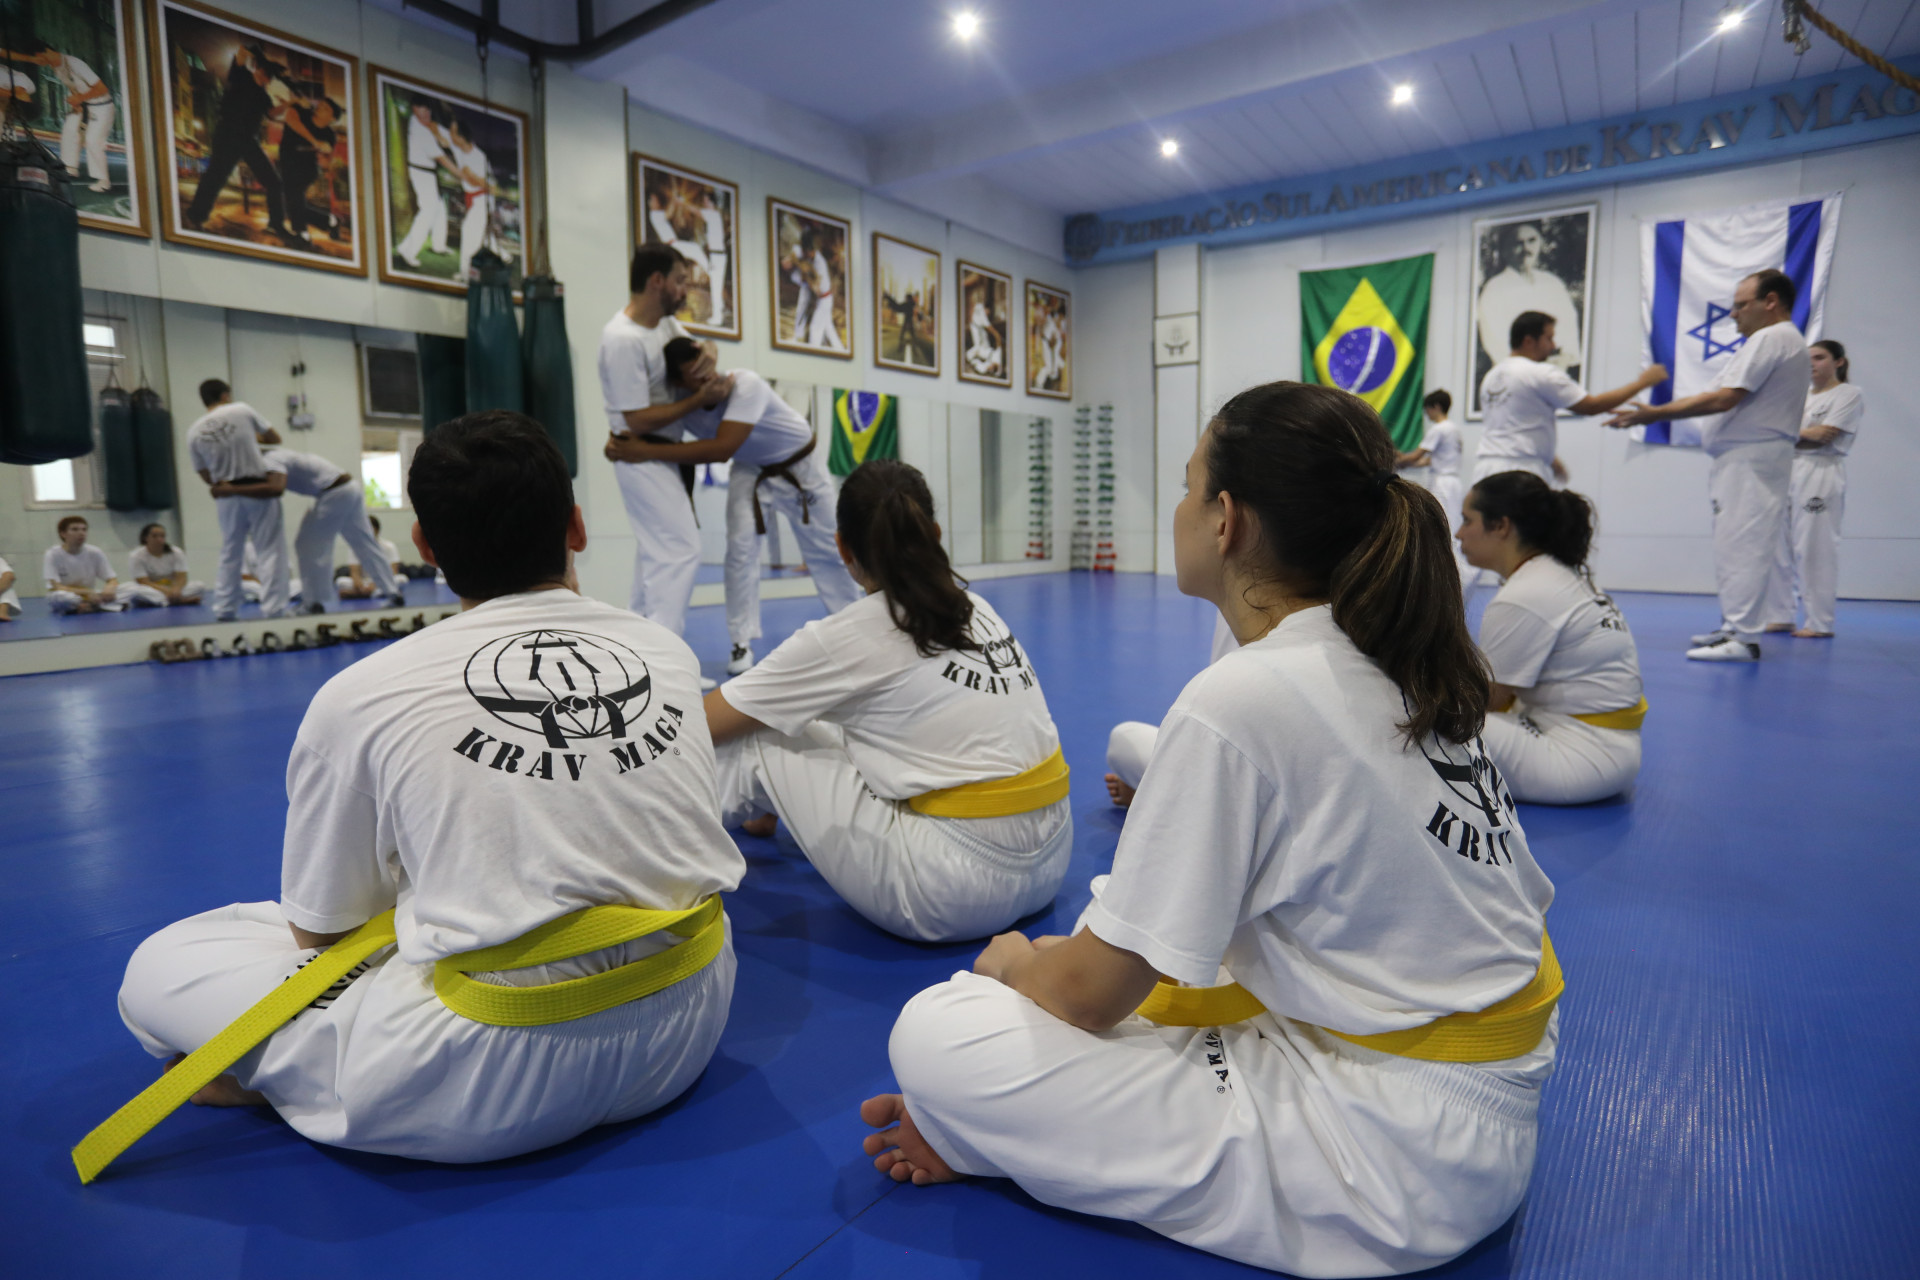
563,685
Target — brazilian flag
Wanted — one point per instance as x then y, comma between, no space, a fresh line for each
865,425
1364,330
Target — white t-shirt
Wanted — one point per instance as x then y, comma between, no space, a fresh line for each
423,148
1442,443
1550,633
142,563
1520,397
534,755
1288,832
778,431
633,367
474,161
387,548
1774,368
88,568
307,473
913,724
223,443
1840,405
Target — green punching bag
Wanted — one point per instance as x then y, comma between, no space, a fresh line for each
46,397
120,450
443,378
549,366
153,442
493,337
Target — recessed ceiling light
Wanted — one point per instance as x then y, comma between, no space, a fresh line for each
1731,18
1169,147
1402,94
966,24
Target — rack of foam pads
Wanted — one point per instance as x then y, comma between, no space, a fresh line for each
325,635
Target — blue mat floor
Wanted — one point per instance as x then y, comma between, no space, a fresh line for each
1734,1096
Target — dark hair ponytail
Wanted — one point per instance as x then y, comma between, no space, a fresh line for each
1316,466
1556,521
885,515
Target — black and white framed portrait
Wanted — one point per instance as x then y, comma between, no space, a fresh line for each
1530,262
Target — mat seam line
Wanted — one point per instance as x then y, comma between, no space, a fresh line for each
824,1240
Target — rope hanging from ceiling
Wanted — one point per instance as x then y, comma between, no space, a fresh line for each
1794,32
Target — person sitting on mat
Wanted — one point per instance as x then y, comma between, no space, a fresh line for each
1567,704
524,795
357,582
1320,832
9,598
1130,743
80,578
159,570
903,740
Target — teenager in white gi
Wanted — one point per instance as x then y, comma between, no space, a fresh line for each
80,578
1564,721
1522,395
1322,823
9,597
339,510
1439,454
774,467
1130,743
89,109
427,144
224,445
159,570
537,754
917,688
1754,421
1807,565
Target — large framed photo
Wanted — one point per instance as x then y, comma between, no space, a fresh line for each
1049,341
811,259
699,215
259,150
450,176
1530,262
986,324
66,73
906,306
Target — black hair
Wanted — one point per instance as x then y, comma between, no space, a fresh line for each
1315,466
1841,365
885,515
651,260
493,499
678,354
30,45
212,390
147,529
1775,282
1556,521
1441,400
375,522
1528,324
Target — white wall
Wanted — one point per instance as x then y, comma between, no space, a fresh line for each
1115,366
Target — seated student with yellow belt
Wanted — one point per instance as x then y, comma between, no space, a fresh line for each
1567,699
521,797
903,740
1350,1083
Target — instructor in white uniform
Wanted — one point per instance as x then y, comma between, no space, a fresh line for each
339,510
1324,848
1523,394
224,445
1808,563
1756,413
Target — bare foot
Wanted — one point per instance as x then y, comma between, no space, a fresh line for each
1804,634
900,1152
761,826
221,1091
1122,793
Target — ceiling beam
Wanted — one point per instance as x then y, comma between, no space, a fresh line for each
588,47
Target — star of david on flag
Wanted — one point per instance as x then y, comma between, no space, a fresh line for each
1704,333
866,425
1364,330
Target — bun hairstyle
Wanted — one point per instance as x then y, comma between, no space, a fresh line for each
1841,365
1556,521
885,515
1315,465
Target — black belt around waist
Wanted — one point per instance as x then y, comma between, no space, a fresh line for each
783,470
687,469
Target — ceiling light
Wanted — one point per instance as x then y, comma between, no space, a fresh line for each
1731,18
1402,94
1169,147
966,24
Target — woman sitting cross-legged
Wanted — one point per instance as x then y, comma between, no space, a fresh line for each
904,740
1350,1084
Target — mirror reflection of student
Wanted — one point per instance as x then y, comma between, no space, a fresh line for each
159,570
9,598
357,582
79,577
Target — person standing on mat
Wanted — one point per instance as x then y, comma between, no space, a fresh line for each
224,444
339,510
1808,563
80,578
159,570
1756,412
1523,396
1439,453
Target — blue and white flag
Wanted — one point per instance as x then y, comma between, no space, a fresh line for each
1688,270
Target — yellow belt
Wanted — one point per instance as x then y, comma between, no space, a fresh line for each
1625,718
1505,1029
577,933
1044,784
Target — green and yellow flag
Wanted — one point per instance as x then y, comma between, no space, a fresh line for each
866,425
1364,330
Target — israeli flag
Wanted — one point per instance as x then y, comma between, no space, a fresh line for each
1688,270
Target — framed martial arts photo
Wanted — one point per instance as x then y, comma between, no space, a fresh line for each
67,78
699,215
1530,262
906,306
986,325
258,148
810,261
450,173
1049,341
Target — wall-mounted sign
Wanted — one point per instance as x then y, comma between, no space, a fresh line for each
1176,339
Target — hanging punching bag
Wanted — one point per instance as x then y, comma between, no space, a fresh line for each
153,442
120,450
493,337
443,378
46,398
549,366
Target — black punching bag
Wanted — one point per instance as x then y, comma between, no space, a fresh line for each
120,450
46,398
549,366
153,442
493,337
443,378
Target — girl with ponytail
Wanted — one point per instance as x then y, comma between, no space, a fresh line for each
1319,821
903,740
1564,722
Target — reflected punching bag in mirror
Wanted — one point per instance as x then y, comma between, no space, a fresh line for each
494,378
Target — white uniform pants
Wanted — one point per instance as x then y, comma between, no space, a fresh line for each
340,512
126,593
473,231
930,879
154,597
381,1065
666,541
1129,748
98,117
431,219
815,536
256,520
1484,467
1748,486
1549,758
1807,565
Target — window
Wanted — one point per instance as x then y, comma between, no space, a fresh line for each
385,455
81,482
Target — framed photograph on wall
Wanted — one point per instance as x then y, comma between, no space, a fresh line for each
699,215
986,325
450,175
810,263
69,69
258,145
906,306
1049,341
1530,262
